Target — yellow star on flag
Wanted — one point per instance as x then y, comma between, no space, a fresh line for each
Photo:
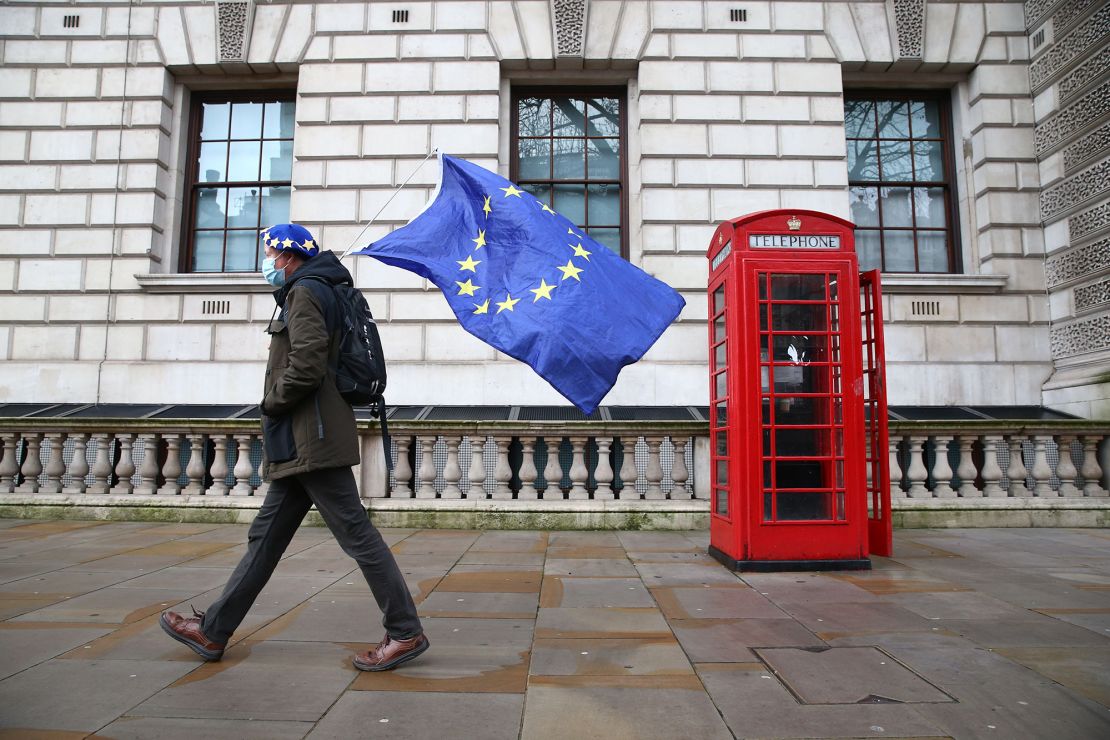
547,208
483,308
467,288
507,304
580,252
571,232
481,240
469,264
486,207
544,291
511,190
570,271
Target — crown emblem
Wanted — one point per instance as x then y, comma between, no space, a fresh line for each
794,223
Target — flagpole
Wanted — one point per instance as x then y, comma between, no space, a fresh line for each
372,220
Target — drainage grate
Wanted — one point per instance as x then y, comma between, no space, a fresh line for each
400,16
215,308
738,15
71,21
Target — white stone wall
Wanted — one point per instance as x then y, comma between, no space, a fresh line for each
724,119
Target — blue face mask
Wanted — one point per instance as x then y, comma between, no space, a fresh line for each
273,275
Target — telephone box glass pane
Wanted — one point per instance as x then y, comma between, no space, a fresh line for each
722,414
719,328
804,287
803,316
722,385
719,355
722,443
801,410
722,501
793,506
722,472
718,300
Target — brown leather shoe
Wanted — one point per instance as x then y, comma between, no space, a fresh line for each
187,630
391,653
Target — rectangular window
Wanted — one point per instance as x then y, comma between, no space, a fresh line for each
900,180
238,178
568,149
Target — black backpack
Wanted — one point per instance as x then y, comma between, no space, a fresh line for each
359,364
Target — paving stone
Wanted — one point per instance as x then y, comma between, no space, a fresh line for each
1095,620
895,581
95,692
487,557
585,551
665,707
807,588
327,618
658,541
715,602
456,668
267,680
608,567
461,631
666,556
1046,632
842,618
755,704
730,640
522,542
608,657
961,605
17,604
179,577
68,582
177,728
848,675
22,648
594,592
13,570
614,623
420,715
684,574
480,605
584,539
491,579
1085,670
109,605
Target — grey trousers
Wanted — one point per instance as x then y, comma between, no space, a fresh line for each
335,495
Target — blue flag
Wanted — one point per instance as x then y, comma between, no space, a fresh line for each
524,279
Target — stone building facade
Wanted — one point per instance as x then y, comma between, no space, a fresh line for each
726,108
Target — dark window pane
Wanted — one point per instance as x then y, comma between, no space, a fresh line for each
802,506
864,203
277,160
610,238
570,200
859,119
928,207
894,119
208,251
542,191
718,300
932,251
535,159
242,250
722,501
243,164
279,120
722,443
798,287
898,251
569,117
721,385
569,159
604,205
720,359
534,115
212,164
896,207
211,207
722,472
928,161
863,160
214,120
246,121
603,117
604,161
895,161
275,205
242,204
925,118
868,247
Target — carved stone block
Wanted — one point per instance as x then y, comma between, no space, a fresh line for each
1082,336
570,26
1076,263
1090,296
233,21
1085,186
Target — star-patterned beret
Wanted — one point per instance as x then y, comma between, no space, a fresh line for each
293,237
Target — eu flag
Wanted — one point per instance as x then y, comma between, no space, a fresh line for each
521,277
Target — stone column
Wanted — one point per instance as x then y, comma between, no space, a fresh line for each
452,473
528,472
244,468
603,473
55,465
553,470
8,467
916,471
219,467
654,472
171,469
427,470
196,467
477,473
629,474
966,469
32,465
1016,471
579,474
679,472
402,471
125,468
1065,468
102,466
992,472
148,470
895,470
1041,472
79,465
502,472
942,469
1091,470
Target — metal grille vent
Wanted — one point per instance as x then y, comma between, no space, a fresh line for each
71,21
1038,38
738,15
925,308
400,16
215,308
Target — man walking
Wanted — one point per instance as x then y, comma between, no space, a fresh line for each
310,444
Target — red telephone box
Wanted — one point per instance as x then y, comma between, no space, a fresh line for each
798,401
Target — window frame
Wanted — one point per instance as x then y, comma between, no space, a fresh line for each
197,100
620,92
943,100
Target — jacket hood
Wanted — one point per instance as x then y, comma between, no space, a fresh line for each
324,265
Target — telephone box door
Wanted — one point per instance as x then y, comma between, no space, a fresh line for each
880,530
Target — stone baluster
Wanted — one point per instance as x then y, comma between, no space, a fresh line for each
79,465
148,470
1065,468
579,474
1091,470
452,472
477,473
528,472
55,465
125,468
8,466
629,474
427,470
102,466
654,472
244,468
196,468
917,472
965,469
402,470
219,466
992,471
603,473
32,465
171,469
680,473
1041,472
553,470
895,470
942,469
1016,471
502,471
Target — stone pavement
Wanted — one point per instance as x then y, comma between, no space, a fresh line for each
964,633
